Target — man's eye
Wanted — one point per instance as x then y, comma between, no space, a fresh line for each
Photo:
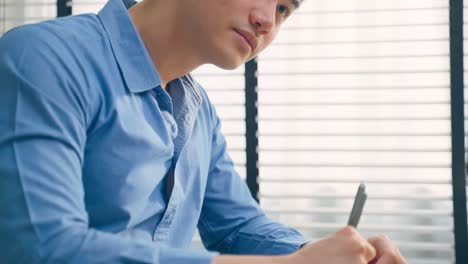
283,10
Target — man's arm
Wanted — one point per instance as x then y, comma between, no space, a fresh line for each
43,120
344,247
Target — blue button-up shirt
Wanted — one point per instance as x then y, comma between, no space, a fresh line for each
87,138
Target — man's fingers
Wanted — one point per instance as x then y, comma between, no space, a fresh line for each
391,259
371,253
400,258
364,248
386,259
387,252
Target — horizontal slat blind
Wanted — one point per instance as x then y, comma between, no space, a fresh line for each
14,13
357,91
87,6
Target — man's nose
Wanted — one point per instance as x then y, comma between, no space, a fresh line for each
263,16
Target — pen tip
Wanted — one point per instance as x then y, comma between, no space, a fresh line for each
362,186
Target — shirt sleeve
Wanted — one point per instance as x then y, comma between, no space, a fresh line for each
43,118
231,220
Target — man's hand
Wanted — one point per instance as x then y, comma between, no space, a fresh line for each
387,253
344,247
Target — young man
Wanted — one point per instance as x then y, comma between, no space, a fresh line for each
112,153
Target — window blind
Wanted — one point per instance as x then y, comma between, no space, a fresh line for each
359,91
87,6
18,12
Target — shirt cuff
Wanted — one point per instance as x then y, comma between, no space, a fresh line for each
296,242
305,243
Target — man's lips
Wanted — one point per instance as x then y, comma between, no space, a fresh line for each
249,37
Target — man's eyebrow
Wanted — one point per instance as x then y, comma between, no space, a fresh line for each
296,3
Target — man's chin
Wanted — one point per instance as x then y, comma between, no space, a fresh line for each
228,67
231,64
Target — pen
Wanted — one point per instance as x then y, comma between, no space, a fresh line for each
358,205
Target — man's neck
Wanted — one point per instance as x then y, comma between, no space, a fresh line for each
162,32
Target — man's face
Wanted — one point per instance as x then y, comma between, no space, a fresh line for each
228,33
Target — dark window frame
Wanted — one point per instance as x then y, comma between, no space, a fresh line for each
458,132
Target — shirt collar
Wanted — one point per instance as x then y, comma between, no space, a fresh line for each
132,57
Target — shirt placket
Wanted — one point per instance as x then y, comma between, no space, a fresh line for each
161,232
162,228
185,121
